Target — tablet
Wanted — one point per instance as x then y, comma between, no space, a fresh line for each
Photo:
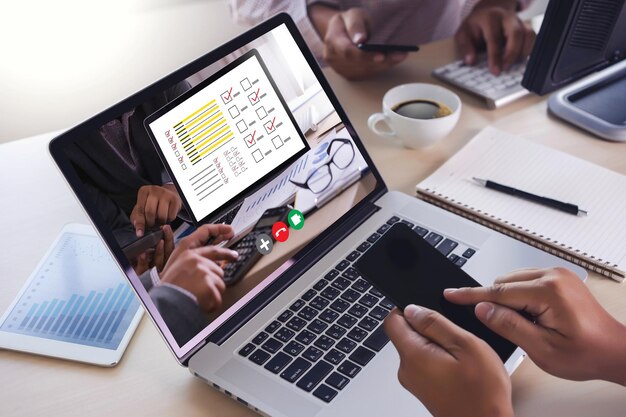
76,304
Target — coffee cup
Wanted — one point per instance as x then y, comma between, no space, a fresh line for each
417,115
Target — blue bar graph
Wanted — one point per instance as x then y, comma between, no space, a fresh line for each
78,296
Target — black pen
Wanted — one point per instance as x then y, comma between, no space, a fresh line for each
555,204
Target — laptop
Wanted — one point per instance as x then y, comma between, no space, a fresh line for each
301,333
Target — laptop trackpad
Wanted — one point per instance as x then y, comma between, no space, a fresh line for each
262,387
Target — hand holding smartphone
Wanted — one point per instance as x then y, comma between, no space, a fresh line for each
408,270
376,47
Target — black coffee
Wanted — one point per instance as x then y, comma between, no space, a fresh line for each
422,109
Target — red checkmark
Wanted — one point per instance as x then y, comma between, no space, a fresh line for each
229,92
252,138
256,96
271,125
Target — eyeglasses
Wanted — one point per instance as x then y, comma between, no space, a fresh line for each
341,152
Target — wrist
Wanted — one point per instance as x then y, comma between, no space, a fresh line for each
320,15
614,361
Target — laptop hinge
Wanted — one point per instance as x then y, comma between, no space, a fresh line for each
321,246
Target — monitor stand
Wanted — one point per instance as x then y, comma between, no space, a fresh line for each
596,103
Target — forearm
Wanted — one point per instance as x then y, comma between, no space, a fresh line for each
613,365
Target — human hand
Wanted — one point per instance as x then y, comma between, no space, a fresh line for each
157,256
193,266
342,32
506,38
573,337
437,357
155,205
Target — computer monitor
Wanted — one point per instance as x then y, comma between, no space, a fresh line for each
577,38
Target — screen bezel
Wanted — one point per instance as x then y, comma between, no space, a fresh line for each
285,274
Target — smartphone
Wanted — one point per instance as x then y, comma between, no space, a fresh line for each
408,270
142,244
377,47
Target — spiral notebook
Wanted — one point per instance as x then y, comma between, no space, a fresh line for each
596,241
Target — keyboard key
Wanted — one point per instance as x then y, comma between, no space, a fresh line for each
336,380
373,238
375,292
420,231
387,303
408,223
469,253
293,348
324,342
350,295
272,327
378,313
363,247
353,256
368,300
460,262
336,331
334,356
325,393
433,238
346,345
382,229
312,353
319,303
377,340
342,265
341,283
306,337
340,305
453,258
296,324
315,375
278,362
317,326
330,293
307,296
272,345
362,356
368,323
332,274
349,369
294,371
259,338
393,220
328,315
447,246
358,310
347,321
308,313
286,315
357,334
361,285
259,357
245,351
284,334
351,274
319,285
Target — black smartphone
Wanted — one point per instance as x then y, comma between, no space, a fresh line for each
377,47
408,270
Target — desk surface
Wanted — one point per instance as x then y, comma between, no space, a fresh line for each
36,204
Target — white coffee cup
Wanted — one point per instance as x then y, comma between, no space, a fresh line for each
412,132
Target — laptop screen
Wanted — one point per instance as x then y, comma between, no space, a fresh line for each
247,146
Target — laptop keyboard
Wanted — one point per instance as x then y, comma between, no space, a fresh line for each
326,336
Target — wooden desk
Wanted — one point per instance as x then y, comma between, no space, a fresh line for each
148,382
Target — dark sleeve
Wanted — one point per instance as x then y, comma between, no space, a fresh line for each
181,314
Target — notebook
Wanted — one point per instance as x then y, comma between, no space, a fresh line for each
595,241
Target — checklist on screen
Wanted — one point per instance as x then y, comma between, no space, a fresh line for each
231,133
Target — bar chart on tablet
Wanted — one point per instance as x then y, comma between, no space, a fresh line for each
78,295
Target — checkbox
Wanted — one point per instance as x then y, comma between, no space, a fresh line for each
270,126
255,97
277,141
261,113
245,84
227,97
249,141
242,126
234,111
257,155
